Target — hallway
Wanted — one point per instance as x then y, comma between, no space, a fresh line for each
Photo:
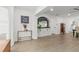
54,43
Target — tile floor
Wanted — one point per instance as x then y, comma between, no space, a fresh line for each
53,43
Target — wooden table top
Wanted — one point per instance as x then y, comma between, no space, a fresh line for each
3,44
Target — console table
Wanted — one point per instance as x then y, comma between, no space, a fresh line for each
21,34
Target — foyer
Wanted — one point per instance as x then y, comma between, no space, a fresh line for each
40,28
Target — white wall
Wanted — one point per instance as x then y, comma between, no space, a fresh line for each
32,22
67,20
4,23
7,26
56,24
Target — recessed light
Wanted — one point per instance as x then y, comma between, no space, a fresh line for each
69,14
51,9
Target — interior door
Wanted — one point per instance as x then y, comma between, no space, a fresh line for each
62,28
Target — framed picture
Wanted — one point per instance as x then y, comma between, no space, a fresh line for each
24,19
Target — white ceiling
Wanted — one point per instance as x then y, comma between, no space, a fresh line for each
58,10
29,8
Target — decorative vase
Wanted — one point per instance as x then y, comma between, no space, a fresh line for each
25,26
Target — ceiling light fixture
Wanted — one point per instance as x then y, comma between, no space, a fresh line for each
51,9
